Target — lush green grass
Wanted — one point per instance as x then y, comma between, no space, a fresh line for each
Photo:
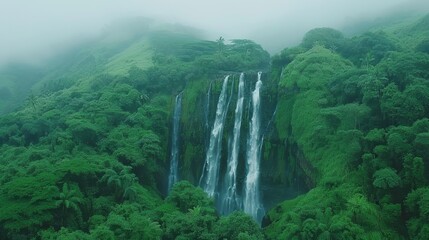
139,54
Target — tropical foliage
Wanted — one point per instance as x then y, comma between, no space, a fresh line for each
85,155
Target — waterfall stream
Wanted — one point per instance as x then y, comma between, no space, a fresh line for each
251,200
174,155
231,201
210,175
233,188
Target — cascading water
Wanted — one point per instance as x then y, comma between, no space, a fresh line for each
174,155
251,201
210,175
207,108
231,201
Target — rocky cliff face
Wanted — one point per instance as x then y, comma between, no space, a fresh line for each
292,125
285,172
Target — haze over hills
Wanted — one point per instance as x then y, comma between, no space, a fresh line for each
323,140
121,32
36,31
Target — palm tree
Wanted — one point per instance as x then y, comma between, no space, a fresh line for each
68,199
130,192
221,43
122,182
195,211
112,178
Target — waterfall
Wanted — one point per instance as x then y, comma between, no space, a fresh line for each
270,123
207,118
230,201
210,175
174,155
207,108
251,201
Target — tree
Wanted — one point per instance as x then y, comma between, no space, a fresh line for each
361,209
327,37
386,178
367,61
27,202
64,234
69,199
403,67
144,228
348,116
197,223
127,221
377,44
220,43
121,182
398,108
111,177
230,227
397,143
342,227
84,131
417,203
102,232
186,196
413,169
421,143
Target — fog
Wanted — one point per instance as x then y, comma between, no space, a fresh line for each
32,31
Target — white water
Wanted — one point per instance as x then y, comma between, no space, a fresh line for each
174,155
207,109
231,201
210,174
251,201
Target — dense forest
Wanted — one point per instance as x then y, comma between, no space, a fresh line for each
85,141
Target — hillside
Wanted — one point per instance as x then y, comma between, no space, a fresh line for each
344,128
88,150
355,110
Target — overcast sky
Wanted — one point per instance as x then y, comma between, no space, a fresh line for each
32,30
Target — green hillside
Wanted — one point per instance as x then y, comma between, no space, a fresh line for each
85,139
358,112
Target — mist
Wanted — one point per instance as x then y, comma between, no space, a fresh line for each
33,31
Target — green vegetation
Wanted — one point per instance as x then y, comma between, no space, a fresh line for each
85,156
357,112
